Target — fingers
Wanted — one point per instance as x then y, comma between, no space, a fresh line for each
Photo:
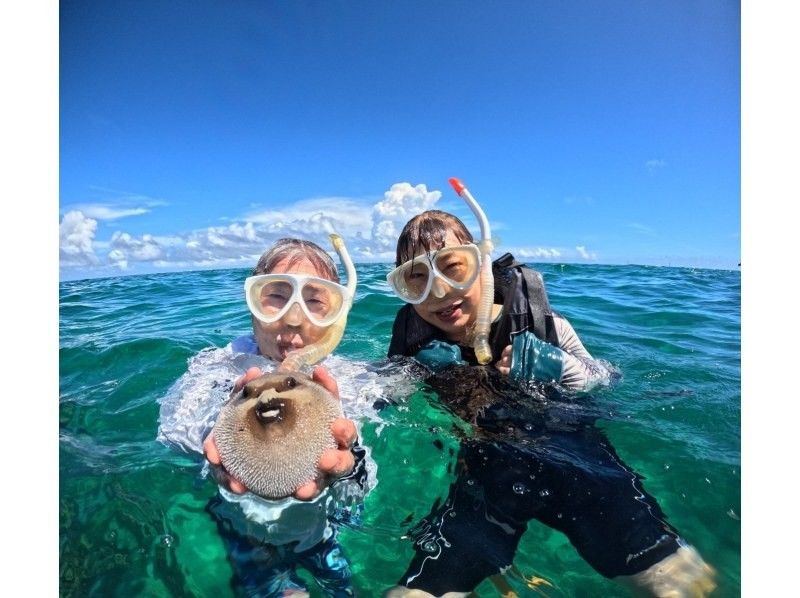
210,450
220,474
337,462
250,374
308,490
344,432
323,377
503,365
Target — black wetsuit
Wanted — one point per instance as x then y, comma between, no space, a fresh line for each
536,455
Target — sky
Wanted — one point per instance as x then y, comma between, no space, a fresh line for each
99,111
194,134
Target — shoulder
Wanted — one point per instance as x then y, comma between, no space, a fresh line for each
244,344
409,332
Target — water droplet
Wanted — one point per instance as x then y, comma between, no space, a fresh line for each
167,540
452,513
732,514
532,476
707,480
559,515
429,547
666,465
544,492
529,427
470,482
520,488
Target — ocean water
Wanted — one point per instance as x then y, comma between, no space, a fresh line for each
132,511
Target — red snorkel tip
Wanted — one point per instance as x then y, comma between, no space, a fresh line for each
457,185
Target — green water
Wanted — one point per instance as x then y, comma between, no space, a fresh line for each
132,511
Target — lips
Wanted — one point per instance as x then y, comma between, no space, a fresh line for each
450,313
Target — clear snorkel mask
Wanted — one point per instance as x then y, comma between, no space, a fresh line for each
271,297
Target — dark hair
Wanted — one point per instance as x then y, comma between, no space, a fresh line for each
294,251
426,232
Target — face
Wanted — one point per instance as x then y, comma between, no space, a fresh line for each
293,330
451,310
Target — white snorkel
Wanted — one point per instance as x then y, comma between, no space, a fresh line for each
483,321
313,353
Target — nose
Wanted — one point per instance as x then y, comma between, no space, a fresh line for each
295,316
439,288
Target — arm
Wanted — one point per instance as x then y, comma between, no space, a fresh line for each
569,363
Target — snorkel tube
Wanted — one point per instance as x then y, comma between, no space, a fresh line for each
483,321
314,352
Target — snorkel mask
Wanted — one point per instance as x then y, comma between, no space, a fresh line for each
483,320
324,303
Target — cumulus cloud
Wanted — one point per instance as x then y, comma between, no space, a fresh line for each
400,203
76,240
370,228
125,248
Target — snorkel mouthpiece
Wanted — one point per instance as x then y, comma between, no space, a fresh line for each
483,321
315,352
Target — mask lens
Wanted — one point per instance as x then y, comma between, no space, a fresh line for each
459,265
322,301
273,297
411,278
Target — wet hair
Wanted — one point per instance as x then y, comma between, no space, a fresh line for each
294,251
426,232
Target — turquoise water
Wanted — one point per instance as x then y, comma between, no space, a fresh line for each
132,511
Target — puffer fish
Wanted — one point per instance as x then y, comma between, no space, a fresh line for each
271,435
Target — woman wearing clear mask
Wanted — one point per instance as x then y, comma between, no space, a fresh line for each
298,312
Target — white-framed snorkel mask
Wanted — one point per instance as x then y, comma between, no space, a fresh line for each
271,297
457,265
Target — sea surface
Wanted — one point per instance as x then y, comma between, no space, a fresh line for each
132,510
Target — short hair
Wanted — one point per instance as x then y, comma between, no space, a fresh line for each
427,232
294,251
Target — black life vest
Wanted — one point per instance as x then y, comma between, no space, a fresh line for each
517,287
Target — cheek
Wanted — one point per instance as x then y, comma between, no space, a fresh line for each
265,332
312,334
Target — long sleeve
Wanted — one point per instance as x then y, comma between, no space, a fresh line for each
190,407
568,362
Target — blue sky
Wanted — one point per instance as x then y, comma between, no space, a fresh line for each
193,134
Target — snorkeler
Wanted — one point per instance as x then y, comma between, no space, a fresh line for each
298,313
531,456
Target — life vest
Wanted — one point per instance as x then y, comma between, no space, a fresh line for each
517,287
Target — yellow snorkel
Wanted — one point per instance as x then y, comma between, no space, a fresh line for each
483,321
313,353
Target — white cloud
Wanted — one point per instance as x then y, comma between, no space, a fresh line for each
109,212
587,255
322,215
652,165
400,203
125,248
370,229
76,239
642,228
536,252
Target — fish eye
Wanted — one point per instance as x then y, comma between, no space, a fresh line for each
290,383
